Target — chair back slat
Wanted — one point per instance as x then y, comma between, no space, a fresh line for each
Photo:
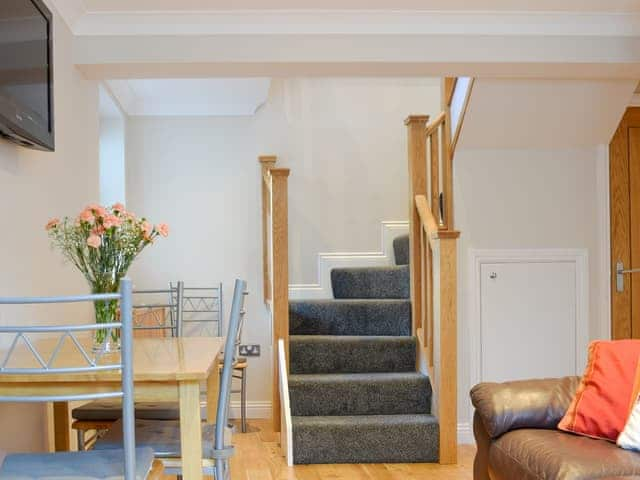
154,317
201,311
128,412
222,413
86,362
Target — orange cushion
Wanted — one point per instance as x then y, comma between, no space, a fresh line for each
601,405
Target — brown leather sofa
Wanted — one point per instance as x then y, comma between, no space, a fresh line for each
517,439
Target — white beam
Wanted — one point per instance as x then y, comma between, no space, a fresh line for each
363,22
122,56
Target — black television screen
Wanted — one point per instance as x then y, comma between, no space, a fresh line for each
26,76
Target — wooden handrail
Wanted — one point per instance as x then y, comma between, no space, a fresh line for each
457,86
448,87
429,222
435,124
427,219
275,258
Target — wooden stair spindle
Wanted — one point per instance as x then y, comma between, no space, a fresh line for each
416,144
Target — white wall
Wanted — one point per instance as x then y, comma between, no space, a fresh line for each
345,142
343,139
35,186
524,199
531,172
112,128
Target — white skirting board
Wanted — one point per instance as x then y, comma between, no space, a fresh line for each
329,261
256,409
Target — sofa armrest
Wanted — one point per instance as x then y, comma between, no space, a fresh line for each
523,404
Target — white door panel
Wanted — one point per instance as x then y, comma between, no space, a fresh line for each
528,320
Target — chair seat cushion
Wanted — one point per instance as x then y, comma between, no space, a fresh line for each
162,436
534,454
111,411
105,464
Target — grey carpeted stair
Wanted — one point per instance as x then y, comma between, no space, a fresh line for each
371,282
336,354
401,250
359,394
350,317
354,391
365,439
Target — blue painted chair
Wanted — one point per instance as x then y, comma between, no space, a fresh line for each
127,462
163,436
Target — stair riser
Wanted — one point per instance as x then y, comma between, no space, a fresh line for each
366,444
309,398
351,354
378,283
389,317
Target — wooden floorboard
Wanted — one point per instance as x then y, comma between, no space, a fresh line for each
257,457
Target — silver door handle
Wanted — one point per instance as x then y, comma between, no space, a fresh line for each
620,271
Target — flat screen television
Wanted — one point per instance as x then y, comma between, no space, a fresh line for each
26,73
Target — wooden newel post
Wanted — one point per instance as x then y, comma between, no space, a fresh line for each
280,277
448,379
416,146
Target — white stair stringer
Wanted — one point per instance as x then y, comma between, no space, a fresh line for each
329,261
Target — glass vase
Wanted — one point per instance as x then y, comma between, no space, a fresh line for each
106,340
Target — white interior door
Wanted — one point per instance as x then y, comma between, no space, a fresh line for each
528,320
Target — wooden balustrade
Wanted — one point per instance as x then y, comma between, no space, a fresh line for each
275,257
433,262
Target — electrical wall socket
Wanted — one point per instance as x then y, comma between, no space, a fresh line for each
249,350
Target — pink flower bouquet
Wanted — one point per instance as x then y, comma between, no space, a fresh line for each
102,243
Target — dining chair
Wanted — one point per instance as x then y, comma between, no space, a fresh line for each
156,313
163,436
203,315
128,462
202,311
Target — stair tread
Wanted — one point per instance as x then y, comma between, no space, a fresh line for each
365,439
356,377
359,393
355,301
353,338
411,418
350,317
316,354
371,282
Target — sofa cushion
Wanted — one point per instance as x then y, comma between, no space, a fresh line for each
523,404
551,454
601,405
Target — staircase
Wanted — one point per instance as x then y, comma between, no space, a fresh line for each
355,394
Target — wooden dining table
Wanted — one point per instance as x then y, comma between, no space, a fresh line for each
164,370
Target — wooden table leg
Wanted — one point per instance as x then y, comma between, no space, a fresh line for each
213,389
62,427
190,430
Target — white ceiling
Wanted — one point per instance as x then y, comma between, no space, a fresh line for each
191,97
464,5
